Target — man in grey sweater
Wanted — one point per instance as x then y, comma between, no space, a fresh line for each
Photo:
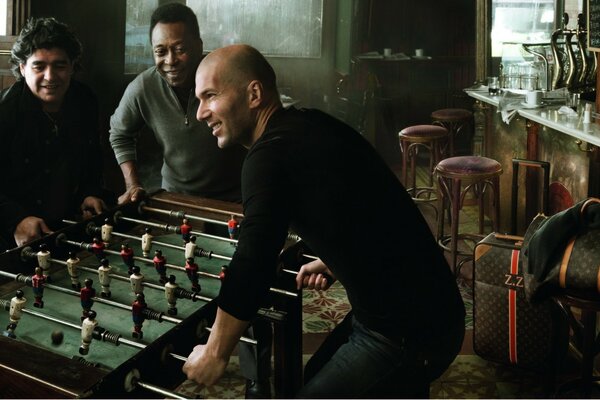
162,99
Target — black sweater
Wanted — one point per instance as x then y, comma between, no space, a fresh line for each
311,172
46,173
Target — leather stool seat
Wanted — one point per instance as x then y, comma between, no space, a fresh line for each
474,167
412,139
451,114
476,174
453,119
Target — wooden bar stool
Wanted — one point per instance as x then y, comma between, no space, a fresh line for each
413,138
477,174
453,119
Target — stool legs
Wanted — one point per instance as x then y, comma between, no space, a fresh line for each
451,197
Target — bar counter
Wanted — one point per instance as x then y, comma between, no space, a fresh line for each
541,134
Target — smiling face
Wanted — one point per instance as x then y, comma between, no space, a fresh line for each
47,73
176,53
224,106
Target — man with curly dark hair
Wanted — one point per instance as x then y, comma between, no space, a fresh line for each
52,161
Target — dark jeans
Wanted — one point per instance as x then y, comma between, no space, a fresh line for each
356,362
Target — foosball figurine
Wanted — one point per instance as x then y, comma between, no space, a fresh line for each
137,314
223,272
136,279
147,242
37,284
186,231
17,304
106,232
72,269
104,277
43,258
190,248
232,227
170,295
191,269
160,264
98,248
127,256
87,294
87,330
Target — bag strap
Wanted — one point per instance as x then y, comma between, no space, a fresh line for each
589,202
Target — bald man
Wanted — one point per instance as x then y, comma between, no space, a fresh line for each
303,169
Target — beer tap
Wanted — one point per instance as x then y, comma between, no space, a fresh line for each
557,73
581,44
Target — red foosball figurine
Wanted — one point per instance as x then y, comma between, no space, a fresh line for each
137,314
98,248
223,272
127,256
160,264
191,269
87,294
232,227
37,284
186,231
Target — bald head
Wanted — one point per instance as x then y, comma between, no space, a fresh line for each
240,64
237,90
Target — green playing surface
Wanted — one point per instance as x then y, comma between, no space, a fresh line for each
63,306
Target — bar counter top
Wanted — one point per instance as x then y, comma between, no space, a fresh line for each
549,116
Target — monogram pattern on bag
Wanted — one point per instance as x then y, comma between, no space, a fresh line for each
582,270
492,282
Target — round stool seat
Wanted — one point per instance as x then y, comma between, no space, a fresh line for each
423,133
468,166
451,114
457,176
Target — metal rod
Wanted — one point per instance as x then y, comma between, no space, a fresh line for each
163,392
120,340
194,206
165,227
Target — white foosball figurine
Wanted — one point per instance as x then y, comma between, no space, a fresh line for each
43,258
17,304
72,268
190,248
104,277
147,242
87,330
170,289
136,279
106,231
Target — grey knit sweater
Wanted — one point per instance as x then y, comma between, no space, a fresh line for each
192,162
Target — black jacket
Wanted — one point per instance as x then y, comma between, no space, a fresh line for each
47,172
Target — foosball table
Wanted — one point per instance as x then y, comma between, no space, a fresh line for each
111,306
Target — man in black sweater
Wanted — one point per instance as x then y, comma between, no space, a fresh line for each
310,172
51,162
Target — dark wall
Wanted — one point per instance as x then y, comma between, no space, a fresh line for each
407,91
100,25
